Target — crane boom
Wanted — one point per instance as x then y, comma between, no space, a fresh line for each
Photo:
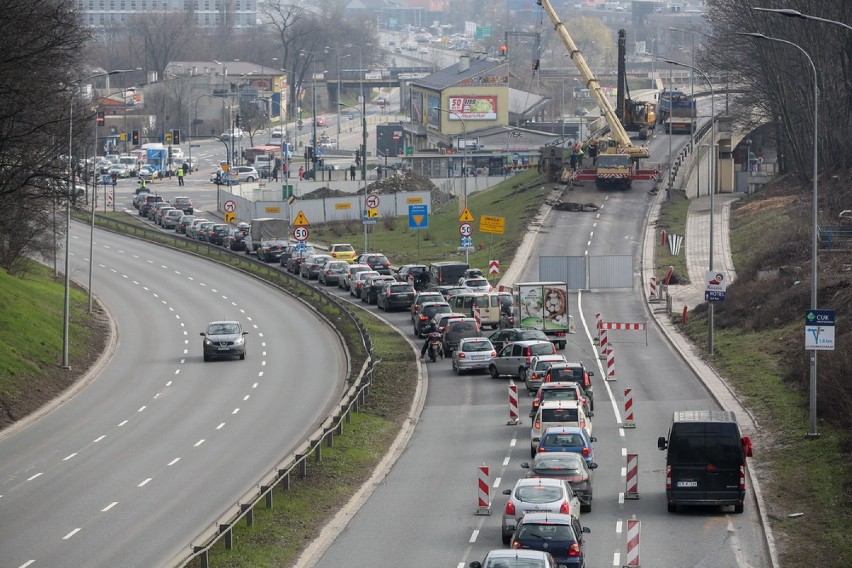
616,128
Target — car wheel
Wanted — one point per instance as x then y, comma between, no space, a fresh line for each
493,370
586,508
206,357
521,372
532,451
506,538
671,507
242,356
561,345
738,509
250,179
456,369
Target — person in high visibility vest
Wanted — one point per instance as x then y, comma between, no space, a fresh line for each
180,176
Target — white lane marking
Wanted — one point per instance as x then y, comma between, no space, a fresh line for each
624,452
506,461
182,361
169,383
623,472
473,536
141,408
616,559
621,498
263,363
246,397
98,439
135,282
618,527
198,443
224,297
69,456
177,371
174,461
110,506
203,284
122,423
190,278
124,276
235,411
497,481
260,374
27,563
234,304
72,533
145,482
214,290
220,426
513,443
39,474
171,309
254,385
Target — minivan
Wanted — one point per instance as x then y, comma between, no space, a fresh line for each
705,459
487,302
446,273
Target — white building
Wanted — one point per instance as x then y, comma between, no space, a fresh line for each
111,13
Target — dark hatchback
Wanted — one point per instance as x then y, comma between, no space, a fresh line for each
269,251
425,314
218,234
375,261
236,239
573,372
560,535
394,295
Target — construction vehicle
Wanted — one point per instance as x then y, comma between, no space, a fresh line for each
677,111
636,116
617,163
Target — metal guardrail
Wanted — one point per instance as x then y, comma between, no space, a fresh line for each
297,462
835,237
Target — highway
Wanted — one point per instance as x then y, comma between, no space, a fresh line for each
159,444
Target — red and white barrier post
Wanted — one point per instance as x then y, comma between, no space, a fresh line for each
598,321
610,364
634,531
631,490
604,342
477,315
514,417
652,290
484,491
629,421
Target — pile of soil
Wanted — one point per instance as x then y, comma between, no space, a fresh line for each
324,192
403,181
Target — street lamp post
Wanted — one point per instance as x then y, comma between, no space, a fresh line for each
796,14
339,57
812,422
464,160
363,112
66,316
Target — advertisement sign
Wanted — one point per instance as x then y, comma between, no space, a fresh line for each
473,108
434,115
417,107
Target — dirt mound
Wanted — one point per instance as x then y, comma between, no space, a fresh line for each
404,181
324,192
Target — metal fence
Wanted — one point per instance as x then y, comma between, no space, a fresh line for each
310,449
835,237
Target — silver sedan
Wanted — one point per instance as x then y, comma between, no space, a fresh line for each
473,354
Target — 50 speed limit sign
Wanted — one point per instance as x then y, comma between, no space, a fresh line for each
465,229
301,233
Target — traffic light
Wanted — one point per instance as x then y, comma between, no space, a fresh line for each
175,136
237,121
309,153
134,137
100,119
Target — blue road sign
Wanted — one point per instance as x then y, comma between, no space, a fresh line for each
466,241
301,247
418,217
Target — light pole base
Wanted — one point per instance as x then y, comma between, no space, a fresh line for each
812,435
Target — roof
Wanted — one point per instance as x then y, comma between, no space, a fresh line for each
524,103
451,75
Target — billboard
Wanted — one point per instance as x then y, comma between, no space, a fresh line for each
473,108
433,115
417,107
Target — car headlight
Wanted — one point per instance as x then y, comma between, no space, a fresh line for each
208,342
240,340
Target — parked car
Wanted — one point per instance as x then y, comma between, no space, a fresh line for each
332,272
567,466
395,295
558,534
502,338
172,218
371,287
376,261
346,282
224,339
218,234
456,330
472,354
537,495
538,368
342,251
270,250
558,413
311,266
516,357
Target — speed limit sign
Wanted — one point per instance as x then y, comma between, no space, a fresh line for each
301,233
465,229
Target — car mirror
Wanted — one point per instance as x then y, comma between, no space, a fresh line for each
507,492
525,465
475,564
202,334
587,530
593,465
245,333
593,439
590,414
661,443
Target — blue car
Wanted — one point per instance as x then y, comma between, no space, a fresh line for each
568,439
560,535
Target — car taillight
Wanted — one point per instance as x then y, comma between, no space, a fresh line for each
516,544
493,353
537,425
423,318
574,550
565,508
668,477
461,355
586,451
528,359
582,423
742,477
510,508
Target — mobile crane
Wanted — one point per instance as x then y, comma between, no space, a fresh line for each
618,159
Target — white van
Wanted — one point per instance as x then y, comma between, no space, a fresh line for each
487,302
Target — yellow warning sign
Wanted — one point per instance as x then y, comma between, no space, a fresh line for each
230,217
301,220
490,224
372,213
466,217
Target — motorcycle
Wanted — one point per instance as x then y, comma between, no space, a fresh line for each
436,348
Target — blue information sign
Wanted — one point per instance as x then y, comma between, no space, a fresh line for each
418,217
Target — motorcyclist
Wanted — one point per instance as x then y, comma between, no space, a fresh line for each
433,328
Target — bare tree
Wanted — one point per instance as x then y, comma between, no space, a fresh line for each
164,35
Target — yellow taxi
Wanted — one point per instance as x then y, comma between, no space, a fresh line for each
342,251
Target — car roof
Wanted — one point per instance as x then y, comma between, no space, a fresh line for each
517,552
527,481
564,430
529,342
554,357
551,518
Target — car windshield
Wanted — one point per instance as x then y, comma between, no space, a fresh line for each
559,394
559,415
538,494
542,365
563,440
531,334
343,248
549,531
566,374
476,282
223,329
430,311
567,464
399,288
460,326
477,346
542,349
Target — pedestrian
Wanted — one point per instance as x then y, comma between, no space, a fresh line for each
580,154
352,172
218,179
275,172
378,172
185,168
285,170
114,178
180,176
573,159
301,173
593,151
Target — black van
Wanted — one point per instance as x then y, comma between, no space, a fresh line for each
446,272
705,462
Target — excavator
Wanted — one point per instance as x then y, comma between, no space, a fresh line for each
636,116
617,163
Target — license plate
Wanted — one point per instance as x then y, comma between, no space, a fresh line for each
687,484
478,357
223,349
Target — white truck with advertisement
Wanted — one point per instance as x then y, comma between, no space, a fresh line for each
266,229
544,306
